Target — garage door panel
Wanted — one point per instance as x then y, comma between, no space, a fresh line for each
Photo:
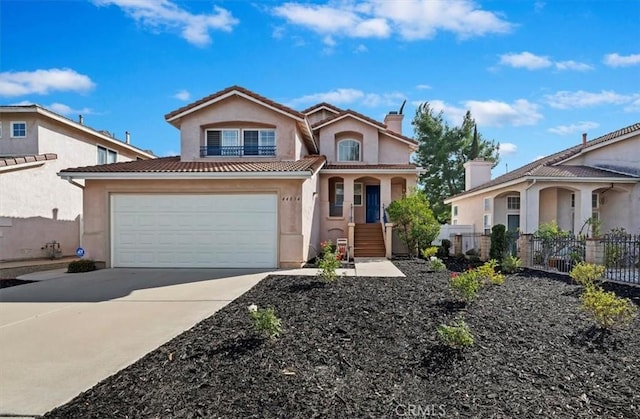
194,230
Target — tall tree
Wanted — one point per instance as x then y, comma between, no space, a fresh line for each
473,154
442,152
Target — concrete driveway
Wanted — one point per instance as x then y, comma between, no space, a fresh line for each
61,337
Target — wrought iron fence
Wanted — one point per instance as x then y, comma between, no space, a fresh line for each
238,151
470,243
557,254
622,257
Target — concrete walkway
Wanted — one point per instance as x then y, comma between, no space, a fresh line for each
61,337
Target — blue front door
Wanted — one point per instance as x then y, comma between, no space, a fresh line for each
373,203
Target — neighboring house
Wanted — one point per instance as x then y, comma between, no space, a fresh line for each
257,184
597,179
36,206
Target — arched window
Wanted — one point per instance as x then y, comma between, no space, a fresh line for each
348,150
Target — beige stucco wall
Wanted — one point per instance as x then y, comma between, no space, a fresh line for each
311,217
43,207
236,112
392,151
369,135
624,153
18,146
293,231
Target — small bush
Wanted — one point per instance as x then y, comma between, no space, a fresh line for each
465,285
487,273
265,321
607,309
456,336
329,262
587,274
436,264
429,252
511,264
498,242
82,265
445,245
472,252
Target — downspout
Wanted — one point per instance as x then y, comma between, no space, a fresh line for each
80,220
526,192
73,182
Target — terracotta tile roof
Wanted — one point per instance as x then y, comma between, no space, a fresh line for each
549,166
351,112
369,166
17,160
320,105
174,165
241,90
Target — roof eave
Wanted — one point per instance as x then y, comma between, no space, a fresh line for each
417,170
303,174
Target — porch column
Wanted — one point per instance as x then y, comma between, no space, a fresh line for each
348,198
385,192
583,209
324,197
530,209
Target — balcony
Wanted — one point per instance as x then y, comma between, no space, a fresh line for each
238,151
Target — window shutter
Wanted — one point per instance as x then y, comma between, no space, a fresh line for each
213,138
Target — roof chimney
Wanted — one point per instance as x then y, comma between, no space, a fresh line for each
584,139
476,173
393,121
127,137
80,119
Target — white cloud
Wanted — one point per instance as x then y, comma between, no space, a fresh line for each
361,48
532,61
347,96
163,15
491,112
43,82
59,108
507,149
525,60
410,19
573,65
565,99
423,87
278,32
541,156
539,6
634,105
183,95
617,60
579,127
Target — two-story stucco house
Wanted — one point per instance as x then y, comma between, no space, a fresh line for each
597,179
36,206
257,184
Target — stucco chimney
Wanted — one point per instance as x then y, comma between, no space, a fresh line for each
127,137
80,119
584,139
476,172
393,121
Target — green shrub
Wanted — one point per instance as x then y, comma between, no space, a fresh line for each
487,273
437,264
607,309
511,264
329,262
82,265
498,242
429,252
472,252
465,285
456,336
414,221
265,321
445,246
613,255
587,274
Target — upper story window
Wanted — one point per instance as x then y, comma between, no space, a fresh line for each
349,150
106,156
18,129
487,204
455,210
513,203
229,142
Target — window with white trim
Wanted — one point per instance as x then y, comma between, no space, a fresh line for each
513,202
229,142
487,204
18,129
349,150
357,194
455,210
486,222
106,156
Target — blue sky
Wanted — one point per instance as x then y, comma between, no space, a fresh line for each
535,75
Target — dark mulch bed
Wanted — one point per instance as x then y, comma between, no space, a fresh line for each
10,282
367,347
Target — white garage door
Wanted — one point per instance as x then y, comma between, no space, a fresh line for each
195,231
